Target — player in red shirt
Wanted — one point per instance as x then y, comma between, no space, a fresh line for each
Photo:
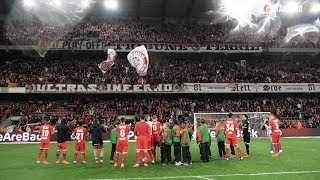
81,135
142,131
231,130
122,143
150,152
156,130
275,133
45,132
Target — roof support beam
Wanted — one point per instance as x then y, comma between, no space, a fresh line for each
189,9
138,6
164,9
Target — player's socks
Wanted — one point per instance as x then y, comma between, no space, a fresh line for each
239,152
83,156
116,158
124,158
46,154
277,148
145,157
138,155
247,148
75,156
40,154
64,157
227,152
271,147
57,159
151,154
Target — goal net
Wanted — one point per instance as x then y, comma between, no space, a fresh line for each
256,121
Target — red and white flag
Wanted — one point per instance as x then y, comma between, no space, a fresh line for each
108,63
139,59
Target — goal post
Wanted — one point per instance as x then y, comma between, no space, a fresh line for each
256,120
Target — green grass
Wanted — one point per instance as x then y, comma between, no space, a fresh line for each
18,162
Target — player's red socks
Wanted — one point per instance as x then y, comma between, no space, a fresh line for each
239,151
227,152
151,154
64,157
138,155
83,156
46,154
276,146
145,157
75,156
116,157
124,158
57,157
39,154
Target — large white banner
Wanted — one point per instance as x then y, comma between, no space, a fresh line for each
251,87
153,47
168,88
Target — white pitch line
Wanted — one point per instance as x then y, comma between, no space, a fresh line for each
217,175
201,177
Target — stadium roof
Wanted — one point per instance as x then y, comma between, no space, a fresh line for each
144,8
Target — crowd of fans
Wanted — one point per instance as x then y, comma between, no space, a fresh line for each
291,110
181,68
132,30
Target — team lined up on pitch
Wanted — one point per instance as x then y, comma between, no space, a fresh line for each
151,134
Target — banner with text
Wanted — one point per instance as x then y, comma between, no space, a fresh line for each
160,47
177,88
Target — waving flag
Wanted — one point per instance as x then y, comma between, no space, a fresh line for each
108,63
139,59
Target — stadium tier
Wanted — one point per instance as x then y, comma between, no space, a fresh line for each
167,89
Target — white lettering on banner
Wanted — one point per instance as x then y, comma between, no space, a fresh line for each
253,133
178,88
19,137
159,47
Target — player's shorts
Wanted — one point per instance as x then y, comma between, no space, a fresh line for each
143,143
232,141
155,141
80,147
97,147
44,145
246,138
62,146
275,138
122,147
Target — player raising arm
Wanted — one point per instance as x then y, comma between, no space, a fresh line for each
45,132
231,129
122,143
81,134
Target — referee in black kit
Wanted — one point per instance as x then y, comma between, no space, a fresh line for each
246,129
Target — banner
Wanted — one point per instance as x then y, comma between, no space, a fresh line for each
175,88
35,137
99,88
251,88
160,47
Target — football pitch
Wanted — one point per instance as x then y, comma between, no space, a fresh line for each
300,160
